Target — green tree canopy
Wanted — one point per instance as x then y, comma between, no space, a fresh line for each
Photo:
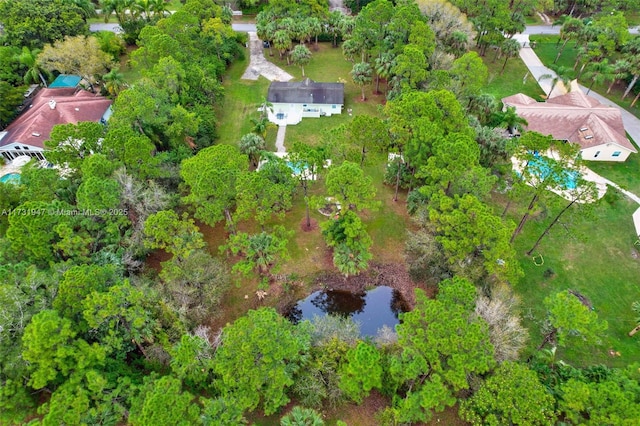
211,176
259,355
442,343
349,185
361,372
571,322
35,23
512,395
162,401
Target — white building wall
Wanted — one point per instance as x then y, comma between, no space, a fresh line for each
16,149
289,114
605,152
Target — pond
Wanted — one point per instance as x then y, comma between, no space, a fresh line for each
371,310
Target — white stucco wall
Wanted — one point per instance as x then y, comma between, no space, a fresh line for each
605,153
289,114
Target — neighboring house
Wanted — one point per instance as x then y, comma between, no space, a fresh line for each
27,133
293,101
577,118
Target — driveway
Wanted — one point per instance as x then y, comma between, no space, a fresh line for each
555,29
115,28
259,66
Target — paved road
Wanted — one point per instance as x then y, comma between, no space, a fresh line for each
243,28
555,29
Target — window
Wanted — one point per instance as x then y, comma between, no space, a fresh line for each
597,153
616,154
333,106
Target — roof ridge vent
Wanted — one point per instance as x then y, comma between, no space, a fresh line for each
589,137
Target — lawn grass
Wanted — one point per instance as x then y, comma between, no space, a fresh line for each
595,256
130,73
546,50
625,174
241,101
514,79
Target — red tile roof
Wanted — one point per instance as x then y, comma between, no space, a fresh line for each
575,117
71,106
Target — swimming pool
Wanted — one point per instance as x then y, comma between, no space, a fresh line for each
541,168
10,177
295,168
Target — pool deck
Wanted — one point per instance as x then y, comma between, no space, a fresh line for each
14,166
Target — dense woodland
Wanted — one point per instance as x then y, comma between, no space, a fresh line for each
91,334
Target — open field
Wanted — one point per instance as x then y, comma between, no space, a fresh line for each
593,255
514,79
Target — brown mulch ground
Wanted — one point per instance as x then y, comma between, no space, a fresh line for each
305,228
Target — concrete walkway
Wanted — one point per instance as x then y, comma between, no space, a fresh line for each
259,66
282,130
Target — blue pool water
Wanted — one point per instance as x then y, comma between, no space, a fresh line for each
294,168
11,177
541,168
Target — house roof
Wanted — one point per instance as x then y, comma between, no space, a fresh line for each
51,107
575,117
306,92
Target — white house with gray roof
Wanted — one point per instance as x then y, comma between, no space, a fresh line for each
293,101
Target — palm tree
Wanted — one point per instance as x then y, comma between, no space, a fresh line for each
314,28
265,108
632,54
114,82
301,56
300,416
384,64
117,7
361,75
252,145
599,72
561,74
482,105
34,74
620,70
571,27
282,42
512,120
459,43
510,48
159,7
333,25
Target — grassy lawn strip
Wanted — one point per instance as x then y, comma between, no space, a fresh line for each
624,174
595,256
514,79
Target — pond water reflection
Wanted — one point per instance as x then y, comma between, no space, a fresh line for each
372,309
